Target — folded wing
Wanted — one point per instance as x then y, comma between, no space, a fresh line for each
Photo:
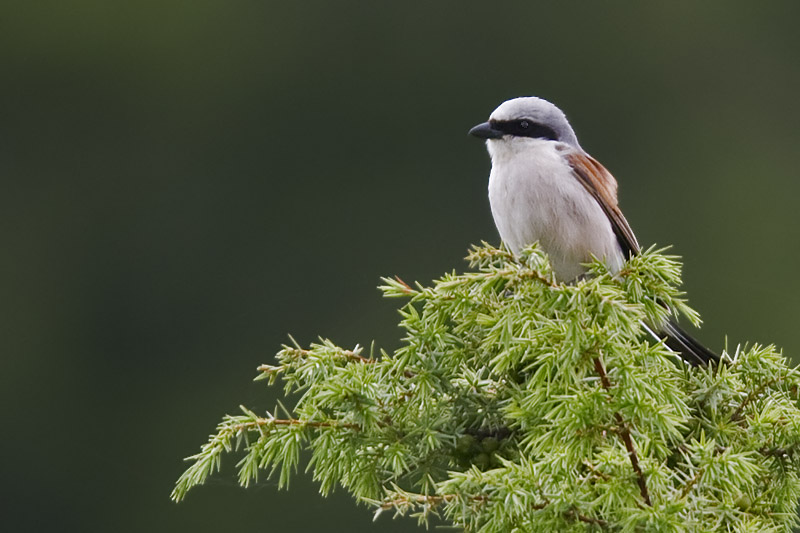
603,187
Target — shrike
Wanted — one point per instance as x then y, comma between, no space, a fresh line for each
543,187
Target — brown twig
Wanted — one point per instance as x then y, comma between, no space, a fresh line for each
752,396
571,512
596,472
778,453
300,352
482,433
358,357
587,519
421,499
259,422
525,274
624,433
406,287
692,482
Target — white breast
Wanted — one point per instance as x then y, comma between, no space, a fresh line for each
535,197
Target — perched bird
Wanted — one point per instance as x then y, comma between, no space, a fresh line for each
543,187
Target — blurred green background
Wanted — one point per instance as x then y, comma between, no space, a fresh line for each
185,183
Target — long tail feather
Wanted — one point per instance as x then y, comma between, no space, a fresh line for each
686,346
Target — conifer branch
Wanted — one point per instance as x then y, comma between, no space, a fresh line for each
737,414
495,413
261,422
692,482
425,499
432,501
596,472
404,286
625,435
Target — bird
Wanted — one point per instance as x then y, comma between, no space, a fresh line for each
543,187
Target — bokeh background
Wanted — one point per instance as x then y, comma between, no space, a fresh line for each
186,183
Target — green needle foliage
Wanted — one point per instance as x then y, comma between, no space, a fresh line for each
517,403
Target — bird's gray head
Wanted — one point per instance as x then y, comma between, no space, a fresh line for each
530,117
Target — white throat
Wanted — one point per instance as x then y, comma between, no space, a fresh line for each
535,197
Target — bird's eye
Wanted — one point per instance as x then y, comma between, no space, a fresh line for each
524,124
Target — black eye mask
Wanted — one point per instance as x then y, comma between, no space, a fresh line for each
524,128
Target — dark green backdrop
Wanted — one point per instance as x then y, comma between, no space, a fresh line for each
184,183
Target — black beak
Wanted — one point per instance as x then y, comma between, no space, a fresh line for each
485,131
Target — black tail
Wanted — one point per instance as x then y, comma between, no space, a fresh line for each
687,347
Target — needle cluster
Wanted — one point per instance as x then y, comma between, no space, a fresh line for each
518,403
